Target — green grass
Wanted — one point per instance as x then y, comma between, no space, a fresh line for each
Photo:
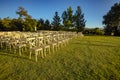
85,58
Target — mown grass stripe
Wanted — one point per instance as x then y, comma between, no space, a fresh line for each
85,58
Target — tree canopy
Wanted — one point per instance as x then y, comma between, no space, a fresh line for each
22,13
112,20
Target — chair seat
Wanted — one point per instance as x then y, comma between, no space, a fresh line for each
46,46
54,43
21,45
37,48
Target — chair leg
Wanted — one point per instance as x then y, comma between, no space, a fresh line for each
36,55
0,45
49,50
20,51
53,49
45,52
42,54
30,55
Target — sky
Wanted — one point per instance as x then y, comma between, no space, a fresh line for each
93,10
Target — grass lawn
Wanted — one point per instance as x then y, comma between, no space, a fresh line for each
85,58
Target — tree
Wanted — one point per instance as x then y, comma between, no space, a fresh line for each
67,17
79,20
70,16
1,25
5,24
47,25
112,20
15,25
40,24
22,13
30,24
56,22
26,22
98,31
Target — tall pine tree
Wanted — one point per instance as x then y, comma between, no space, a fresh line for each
56,22
40,24
79,20
47,25
67,17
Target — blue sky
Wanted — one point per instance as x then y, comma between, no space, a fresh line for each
93,9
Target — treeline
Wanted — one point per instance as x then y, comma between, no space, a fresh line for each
68,21
25,22
94,31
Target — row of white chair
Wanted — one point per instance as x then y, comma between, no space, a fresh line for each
35,43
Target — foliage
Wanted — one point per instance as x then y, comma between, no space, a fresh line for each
1,25
30,24
17,24
26,23
84,58
112,20
64,17
56,22
22,13
76,21
14,25
23,23
94,31
70,17
67,17
79,20
99,31
47,25
40,24
5,24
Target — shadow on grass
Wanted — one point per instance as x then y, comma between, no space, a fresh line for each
91,44
97,41
15,56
